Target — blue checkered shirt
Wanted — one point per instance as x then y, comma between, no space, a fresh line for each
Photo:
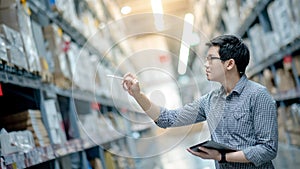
246,120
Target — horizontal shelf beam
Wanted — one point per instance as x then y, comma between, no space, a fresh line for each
261,5
75,35
286,50
78,94
288,95
51,152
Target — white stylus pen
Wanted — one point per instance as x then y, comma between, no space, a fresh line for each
116,77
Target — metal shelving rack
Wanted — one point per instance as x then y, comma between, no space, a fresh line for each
75,35
274,58
260,6
284,50
55,151
19,80
257,14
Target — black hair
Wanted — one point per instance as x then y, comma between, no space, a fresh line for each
232,47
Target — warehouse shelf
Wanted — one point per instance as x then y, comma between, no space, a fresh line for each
285,50
65,103
260,6
19,80
7,77
33,157
288,95
75,35
43,154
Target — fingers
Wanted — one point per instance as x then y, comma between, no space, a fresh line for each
129,76
128,81
203,149
199,154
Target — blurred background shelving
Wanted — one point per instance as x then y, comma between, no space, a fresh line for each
60,110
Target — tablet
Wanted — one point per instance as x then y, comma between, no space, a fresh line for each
213,145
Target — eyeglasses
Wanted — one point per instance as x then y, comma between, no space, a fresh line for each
209,58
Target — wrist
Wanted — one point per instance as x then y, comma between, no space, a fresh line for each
137,95
219,157
222,157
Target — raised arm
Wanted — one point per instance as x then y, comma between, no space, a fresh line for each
131,84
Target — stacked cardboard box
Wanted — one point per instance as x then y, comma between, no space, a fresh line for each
281,18
16,141
53,119
285,80
61,75
255,33
14,47
96,163
3,53
17,17
289,124
268,81
231,16
85,72
282,135
109,160
28,120
295,14
296,61
292,123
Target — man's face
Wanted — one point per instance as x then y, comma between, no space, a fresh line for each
214,67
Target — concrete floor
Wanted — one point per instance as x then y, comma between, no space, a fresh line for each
166,149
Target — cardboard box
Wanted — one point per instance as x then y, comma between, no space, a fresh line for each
85,71
15,50
295,139
30,120
21,116
54,121
9,16
296,61
285,80
28,41
268,81
255,34
281,20
96,163
13,142
3,52
292,119
7,3
295,6
16,16
281,116
269,40
57,57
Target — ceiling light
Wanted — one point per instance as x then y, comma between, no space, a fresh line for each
126,10
157,6
157,10
187,35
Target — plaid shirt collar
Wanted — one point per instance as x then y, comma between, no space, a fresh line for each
238,87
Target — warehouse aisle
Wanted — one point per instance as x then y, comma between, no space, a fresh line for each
178,158
173,157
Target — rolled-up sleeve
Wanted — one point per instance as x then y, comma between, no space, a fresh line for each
266,130
189,114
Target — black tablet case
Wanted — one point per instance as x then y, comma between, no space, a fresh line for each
213,145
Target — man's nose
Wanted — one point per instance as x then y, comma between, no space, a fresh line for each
206,64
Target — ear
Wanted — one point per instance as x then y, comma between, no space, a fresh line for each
230,64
